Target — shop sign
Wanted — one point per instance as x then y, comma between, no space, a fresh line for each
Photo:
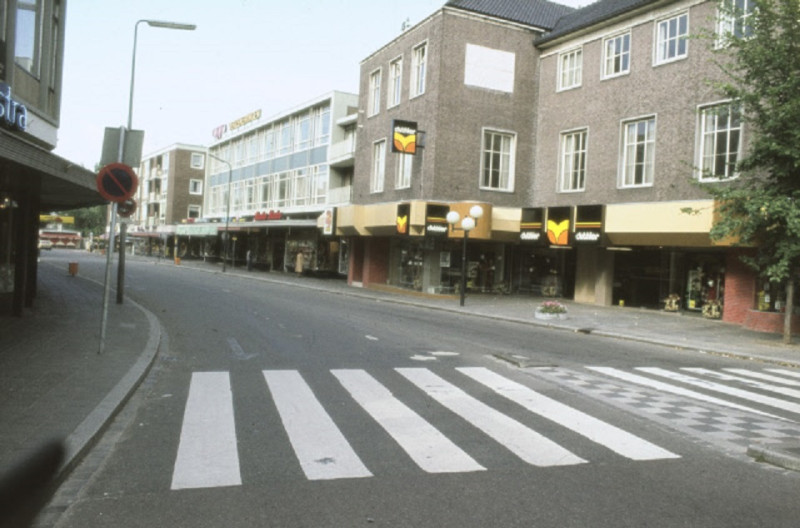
436,220
219,131
402,218
272,215
404,136
531,226
13,114
328,222
588,224
242,121
558,225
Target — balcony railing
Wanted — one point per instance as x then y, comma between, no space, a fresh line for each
342,153
340,195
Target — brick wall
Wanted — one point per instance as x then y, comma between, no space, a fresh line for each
376,261
740,289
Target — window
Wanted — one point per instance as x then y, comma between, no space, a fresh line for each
27,49
195,186
617,55
300,186
733,21
573,161
719,142
374,93
269,144
320,184
193,211
395,82
266,192
497,168
405,163
638,152
302,135
419,61
282,183
378,166
570,69
198,160
322,128
285,138
672,38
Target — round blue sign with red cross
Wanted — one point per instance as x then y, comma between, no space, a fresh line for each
116,182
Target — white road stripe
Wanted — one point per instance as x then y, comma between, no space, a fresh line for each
724,389
605,434
791,373
321,448
672,389
207,454
527,444
765,377
428,447
751,382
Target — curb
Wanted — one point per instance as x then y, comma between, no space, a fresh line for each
785,455
81,440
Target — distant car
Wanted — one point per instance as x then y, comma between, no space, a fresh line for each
45,243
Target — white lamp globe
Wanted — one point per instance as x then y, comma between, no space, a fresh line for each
453,217
468,223
476,211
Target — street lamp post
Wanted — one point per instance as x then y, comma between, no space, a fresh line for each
468,223
227,209
123,226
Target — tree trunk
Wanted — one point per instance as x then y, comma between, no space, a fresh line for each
787,319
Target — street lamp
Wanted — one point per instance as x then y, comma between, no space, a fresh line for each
151,23
468,223
227,208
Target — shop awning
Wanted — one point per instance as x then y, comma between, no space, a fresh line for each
680,223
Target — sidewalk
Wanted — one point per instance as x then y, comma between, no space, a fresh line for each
54,384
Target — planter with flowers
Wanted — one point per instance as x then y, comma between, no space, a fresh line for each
550,310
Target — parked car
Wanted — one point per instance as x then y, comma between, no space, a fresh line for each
45,243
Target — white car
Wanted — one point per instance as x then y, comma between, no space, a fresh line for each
45,243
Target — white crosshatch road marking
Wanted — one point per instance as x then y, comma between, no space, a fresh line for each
207,453
613,438
321,448
527,444
429,448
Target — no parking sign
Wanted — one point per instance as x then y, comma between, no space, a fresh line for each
116,182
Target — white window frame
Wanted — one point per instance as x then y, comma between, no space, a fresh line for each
195,186
708,139
197,208
665,39
419,69
405,164
378,174
634,154
395,88
570,69
573,154
198,161
490,159
734,26
374,104
611,54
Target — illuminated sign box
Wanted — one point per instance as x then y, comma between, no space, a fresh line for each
404,136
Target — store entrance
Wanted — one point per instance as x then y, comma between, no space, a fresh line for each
641,278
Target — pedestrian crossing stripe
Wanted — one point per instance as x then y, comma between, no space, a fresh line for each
208,456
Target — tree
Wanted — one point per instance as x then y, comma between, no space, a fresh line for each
759,54
89,219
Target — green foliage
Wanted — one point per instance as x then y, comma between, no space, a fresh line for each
89,219
762,71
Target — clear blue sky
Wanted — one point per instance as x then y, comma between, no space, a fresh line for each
244,55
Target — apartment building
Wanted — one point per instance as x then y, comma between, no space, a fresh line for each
628,123
32,179
460,89
271,184
170,193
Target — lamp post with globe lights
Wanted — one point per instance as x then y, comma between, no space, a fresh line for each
468,223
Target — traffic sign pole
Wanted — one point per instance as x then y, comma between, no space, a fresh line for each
107,288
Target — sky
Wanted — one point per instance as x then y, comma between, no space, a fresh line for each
244,55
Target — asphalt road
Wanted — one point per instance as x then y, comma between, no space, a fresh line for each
273,405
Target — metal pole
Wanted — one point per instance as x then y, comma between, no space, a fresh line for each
226,236
464,267
107,288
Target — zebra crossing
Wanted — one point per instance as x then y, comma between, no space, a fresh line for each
208,453
731,407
